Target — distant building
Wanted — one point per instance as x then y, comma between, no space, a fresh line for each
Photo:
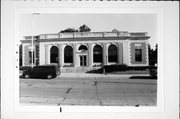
87,49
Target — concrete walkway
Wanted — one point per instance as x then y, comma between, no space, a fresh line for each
98,75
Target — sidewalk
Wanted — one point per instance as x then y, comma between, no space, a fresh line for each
98,75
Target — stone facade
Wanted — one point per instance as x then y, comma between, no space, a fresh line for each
87,49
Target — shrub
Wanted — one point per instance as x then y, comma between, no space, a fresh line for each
139,68
111,68
123,67
153,72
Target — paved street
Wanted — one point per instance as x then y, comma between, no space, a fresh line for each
88,89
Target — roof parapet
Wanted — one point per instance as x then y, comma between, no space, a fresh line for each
89,35
30,37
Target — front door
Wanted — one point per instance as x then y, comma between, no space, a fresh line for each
83,60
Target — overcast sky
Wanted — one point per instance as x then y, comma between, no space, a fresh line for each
53,23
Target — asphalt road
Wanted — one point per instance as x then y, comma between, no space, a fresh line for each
110,90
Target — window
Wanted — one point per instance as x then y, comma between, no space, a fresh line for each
138,55
30,57
82,47
54,54
112,53
97,54
68,54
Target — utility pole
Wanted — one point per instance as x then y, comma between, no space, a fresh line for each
32,46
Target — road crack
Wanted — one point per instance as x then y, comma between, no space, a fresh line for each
68,90
65,95
100,101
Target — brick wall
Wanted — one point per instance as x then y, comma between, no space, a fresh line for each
138,45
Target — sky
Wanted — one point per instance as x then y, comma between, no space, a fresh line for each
54,23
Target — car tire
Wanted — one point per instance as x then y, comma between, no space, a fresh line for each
49,76
26,76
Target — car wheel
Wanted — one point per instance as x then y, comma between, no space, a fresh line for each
49,76
26,76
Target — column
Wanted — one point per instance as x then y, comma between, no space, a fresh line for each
60,54
120,53
90,55
74,54
46,54
105,55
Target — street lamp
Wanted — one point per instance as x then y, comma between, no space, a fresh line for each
32,54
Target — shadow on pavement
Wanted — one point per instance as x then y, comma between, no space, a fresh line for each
143,77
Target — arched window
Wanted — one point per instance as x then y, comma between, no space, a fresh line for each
54,54
112,53
82,47
97,54
68,54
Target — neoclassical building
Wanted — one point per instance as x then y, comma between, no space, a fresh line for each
87,49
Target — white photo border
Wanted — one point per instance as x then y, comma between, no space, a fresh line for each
129,8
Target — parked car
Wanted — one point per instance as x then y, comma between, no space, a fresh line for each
42,71
23,68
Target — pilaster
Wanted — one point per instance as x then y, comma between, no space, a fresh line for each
105,54
74,54
90,55
49,47
60,54
46,54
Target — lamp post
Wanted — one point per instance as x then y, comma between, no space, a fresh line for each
32,54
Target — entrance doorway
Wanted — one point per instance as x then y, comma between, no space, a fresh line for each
83,60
